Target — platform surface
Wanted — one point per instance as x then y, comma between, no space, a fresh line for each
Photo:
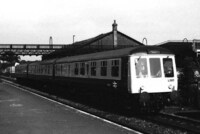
24,113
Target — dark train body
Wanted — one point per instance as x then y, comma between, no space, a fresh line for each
143,72
188,67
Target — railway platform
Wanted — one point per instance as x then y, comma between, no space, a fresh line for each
22,112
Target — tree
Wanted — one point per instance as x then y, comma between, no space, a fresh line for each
10,57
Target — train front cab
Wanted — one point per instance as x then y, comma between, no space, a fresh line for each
152,75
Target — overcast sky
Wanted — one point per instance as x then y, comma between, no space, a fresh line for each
34,21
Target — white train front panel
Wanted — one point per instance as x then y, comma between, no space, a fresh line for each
152,74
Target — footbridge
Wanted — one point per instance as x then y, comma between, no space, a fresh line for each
31,49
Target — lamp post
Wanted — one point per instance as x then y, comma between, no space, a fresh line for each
185,39
73,38
144,39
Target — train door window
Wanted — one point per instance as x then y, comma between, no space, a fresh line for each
103,68
64,70
69,69
48,69
51,69
115,68
42,69
56,69
93,68
76,69
39,68
87,69
141,67
36,70
61,69
168,67
82,69
155,67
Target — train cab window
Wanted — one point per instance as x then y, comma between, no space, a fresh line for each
103,68
82,69
93,68
115,68
155,67
76,69
141,67
168,67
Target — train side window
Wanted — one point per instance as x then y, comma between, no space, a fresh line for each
155,67
115,68
103,68
93,68
76,69
141,67
168,67
82,69
64,69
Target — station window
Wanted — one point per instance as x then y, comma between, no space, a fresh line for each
141,67
82,69
155,67
103,68
76,69
93,68
115,68
168,67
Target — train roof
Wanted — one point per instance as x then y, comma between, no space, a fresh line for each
43,62
22,65
116,53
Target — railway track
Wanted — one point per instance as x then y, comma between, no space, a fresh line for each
145,125
173,121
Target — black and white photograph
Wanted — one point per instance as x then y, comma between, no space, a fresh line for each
99,67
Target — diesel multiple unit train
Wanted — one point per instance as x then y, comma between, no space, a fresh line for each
144,72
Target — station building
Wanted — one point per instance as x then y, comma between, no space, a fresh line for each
106,41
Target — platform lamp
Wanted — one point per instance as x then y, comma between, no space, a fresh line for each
185,40
144,39
73,38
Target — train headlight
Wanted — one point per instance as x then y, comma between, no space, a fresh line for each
196,73
171,87
141,89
